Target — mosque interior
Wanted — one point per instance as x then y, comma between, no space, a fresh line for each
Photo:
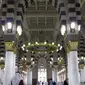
42,40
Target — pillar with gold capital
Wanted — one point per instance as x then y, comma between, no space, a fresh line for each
29,70
29,76
73,70
54,75
9,62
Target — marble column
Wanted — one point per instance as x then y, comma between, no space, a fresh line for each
54,75
82,75
14,63
29,77
69,69
1,76
34,75
49,73
73,70
9,63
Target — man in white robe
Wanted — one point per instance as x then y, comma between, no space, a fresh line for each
16,79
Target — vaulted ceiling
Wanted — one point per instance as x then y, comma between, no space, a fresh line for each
41,17
41,20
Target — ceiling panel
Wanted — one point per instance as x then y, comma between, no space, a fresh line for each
41,19
41,36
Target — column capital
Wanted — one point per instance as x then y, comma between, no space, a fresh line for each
81,66
30,68
55,68
55,65
10,46
72,46
82,2
2,65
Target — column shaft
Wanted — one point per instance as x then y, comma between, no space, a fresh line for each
29,77
73,71
14,63
34,75
82,76
9,67
54,75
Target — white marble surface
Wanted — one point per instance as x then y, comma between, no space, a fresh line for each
9,67
73,71
29,77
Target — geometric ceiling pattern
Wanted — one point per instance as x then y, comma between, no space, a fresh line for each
41,17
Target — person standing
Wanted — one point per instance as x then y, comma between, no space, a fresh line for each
21,82
54,83
51,82
65,82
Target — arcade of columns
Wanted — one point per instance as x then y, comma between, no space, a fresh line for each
13,17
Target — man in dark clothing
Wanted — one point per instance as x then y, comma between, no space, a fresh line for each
65,82
54,83
21,82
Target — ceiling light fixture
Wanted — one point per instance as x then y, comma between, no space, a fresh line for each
3,28
22,58
1,58
29,43
82,57
19,30
79,27
25,59
63,29
53,43
36,43
23,45
58,45
31,59
45,42
61,47
9,25
52,59
33,62
73,24
57,50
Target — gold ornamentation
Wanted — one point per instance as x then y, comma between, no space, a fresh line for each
81,66
82,2
72,46
10,46
50,47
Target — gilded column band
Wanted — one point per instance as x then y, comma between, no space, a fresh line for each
82,2
72,46
10,46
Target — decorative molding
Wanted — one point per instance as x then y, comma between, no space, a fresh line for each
2,64
72,46
82,2
81,66
10,46
61,62
41,47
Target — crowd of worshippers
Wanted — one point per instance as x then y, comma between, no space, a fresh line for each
17,80
46,83
65,82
